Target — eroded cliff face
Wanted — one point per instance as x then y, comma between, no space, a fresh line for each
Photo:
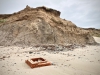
40,25
93,31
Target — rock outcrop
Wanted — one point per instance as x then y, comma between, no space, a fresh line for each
40,25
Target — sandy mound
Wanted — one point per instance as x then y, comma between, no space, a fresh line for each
40,25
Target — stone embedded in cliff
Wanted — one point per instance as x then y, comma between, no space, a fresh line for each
41,25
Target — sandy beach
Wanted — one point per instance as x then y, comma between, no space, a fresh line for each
80,61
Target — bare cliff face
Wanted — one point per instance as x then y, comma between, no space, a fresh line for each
40,25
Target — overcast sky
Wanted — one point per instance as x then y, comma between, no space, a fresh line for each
83,13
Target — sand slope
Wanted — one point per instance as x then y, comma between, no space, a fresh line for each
81,61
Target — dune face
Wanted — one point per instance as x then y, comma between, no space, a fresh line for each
40,25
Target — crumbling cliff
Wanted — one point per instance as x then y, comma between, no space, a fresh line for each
40,25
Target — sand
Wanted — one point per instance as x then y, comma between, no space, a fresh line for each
80,61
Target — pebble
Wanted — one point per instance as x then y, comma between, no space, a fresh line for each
3,57
3,66
67,60
91,61
79,57
30,52
74,55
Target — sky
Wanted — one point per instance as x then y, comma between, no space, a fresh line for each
83,13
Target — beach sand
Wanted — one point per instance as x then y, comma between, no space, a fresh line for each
80,61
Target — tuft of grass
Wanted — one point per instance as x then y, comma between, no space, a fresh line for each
2,20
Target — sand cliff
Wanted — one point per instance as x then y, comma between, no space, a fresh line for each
40,25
